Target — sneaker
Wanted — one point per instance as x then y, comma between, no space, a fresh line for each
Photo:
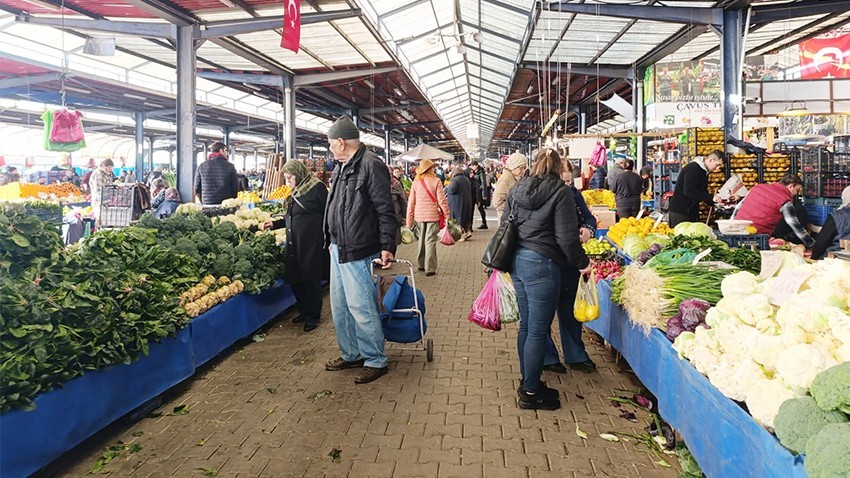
429,274
483,226
538,401
555,367
340,364
370,374
587,366
543,390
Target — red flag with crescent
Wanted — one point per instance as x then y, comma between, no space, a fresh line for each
826,56
291,36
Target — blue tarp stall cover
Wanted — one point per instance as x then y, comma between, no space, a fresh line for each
65,417
724,439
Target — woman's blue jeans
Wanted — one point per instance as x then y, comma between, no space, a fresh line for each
537,280
570,328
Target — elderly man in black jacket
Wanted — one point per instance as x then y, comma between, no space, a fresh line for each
216,179
360,227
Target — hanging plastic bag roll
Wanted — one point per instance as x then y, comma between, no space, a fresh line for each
485,309
586,307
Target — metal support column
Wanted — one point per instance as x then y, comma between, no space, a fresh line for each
289,120
406,142
150,152
640,121
387,150
355,116
730,58
186,158
226,132
140,147
582,121
310,152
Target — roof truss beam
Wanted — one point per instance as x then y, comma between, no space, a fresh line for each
250,25
803,8
686,15
10,83
607,71
142,29
492,32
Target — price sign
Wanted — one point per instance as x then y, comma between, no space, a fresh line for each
771,261
640,214
787,284
658,221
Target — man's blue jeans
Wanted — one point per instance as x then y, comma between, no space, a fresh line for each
354,305
570,329
537,280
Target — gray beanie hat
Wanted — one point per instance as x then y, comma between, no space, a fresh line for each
343,128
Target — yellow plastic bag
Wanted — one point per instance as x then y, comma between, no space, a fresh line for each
586,306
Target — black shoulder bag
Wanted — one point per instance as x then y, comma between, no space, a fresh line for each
499,253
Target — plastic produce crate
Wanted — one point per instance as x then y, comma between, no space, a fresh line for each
117,208
818,213
46,215
760,242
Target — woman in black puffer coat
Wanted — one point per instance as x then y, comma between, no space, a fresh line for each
544,212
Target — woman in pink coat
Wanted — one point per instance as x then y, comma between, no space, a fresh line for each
426,204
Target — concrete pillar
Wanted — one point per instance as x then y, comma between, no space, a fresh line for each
186,160
310,152
140,147
640,121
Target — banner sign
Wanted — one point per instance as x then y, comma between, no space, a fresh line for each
687,81
685,114
826,56
291,36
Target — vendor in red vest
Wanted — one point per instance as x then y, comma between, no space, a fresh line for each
771,208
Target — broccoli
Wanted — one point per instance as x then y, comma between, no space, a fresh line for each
222,266
188,248
149,221
220,246
831,388
201,238
828,452
242,269
226,230
800,419
244,251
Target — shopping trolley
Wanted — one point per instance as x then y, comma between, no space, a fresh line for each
403,316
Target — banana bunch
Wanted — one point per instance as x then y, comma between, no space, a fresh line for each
282,192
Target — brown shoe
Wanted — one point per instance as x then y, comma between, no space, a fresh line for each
370,374
340,364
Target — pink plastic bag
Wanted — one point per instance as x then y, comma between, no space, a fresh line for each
446,238
599,155
485,310
67,127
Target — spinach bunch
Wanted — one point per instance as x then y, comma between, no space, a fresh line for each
25,240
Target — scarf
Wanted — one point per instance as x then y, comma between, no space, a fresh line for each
304,180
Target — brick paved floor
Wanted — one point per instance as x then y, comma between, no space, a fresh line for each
270,409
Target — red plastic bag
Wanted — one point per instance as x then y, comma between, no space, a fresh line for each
446,238
485,310
599,155
67,127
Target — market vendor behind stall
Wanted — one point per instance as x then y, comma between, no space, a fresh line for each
771,209
692,188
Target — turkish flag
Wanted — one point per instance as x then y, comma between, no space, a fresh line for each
291,37
826,56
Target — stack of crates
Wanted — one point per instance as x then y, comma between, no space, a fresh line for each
818,209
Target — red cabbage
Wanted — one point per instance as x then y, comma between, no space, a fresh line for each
674,327
693,304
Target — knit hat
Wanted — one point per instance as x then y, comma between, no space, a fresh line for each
343,128
516,160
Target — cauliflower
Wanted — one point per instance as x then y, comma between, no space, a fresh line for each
800,419
831,388
734,374
764,398
684,344
767,348
734,337
753,308
715,316
828,452
799,364
739,284
228,203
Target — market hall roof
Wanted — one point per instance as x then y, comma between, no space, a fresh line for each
462,59
345,43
